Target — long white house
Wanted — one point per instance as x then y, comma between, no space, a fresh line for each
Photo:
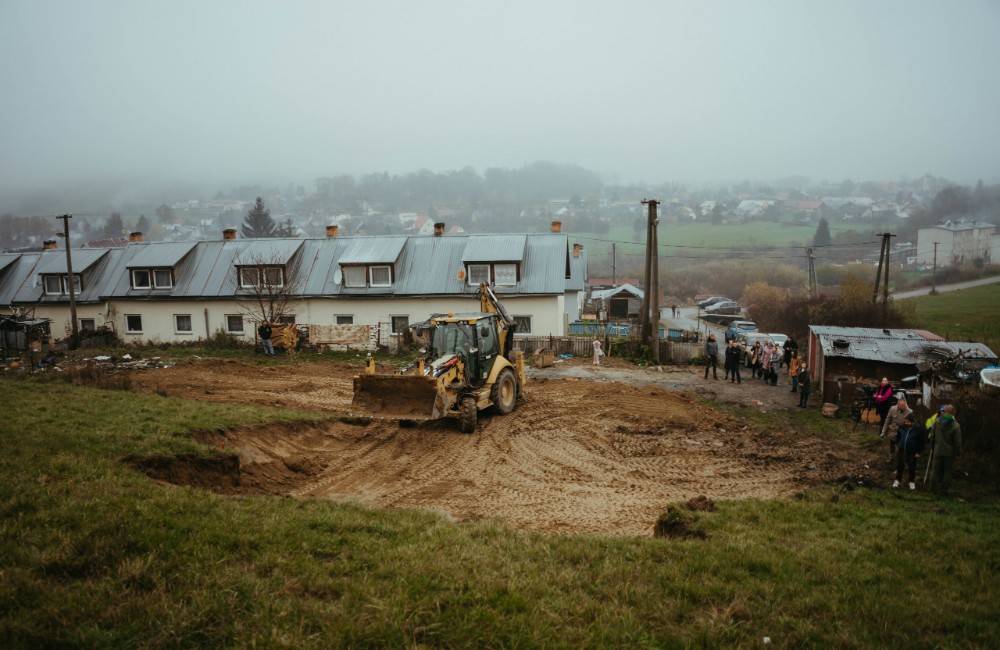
173,292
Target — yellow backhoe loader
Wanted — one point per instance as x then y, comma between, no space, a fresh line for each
469,365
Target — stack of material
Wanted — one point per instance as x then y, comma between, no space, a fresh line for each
341,337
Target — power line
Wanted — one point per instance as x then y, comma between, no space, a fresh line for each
728,248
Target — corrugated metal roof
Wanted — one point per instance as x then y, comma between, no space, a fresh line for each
902,346
372,250
83,259
6,259
15,275
602,294
158,254
494,248
263,251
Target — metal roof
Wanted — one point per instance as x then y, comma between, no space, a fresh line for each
83,259
602,294
494,248
15,274
900,346
6,259
158,254
372,250
278,251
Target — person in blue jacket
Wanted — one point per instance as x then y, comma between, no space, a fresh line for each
910,439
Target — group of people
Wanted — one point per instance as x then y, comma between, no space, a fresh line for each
764,361
908,437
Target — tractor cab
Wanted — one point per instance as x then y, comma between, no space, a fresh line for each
473,337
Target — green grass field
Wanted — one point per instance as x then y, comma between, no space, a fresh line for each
92,553
965,315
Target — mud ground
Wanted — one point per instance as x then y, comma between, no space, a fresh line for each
578,455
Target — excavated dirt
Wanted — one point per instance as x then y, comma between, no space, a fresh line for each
577,456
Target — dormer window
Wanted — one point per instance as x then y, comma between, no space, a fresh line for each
53,284
498,274
479,273
375,275
252,277
152,279
505,275
380,276
58,285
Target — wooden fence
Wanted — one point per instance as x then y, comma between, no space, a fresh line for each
582,346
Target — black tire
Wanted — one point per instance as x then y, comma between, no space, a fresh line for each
504,392
467,415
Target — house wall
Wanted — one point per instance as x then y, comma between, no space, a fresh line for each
851,372
954,247
573,305
925,246
59,315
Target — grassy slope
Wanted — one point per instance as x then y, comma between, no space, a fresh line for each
969,315
92,553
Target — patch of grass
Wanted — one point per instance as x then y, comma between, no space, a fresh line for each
966,315
95,554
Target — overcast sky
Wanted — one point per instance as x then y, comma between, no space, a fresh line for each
691,91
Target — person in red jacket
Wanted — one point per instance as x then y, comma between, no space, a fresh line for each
882,396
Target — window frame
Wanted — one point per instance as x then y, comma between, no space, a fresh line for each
354,267
243,327
170,275
371,275
496,280
468,273
178,330
267,283
93,327
149,278
58,279
522,317
337,317
78,284
392,323
243,269
128,329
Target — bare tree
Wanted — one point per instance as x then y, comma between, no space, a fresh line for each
267,284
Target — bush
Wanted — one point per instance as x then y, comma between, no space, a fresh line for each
220,340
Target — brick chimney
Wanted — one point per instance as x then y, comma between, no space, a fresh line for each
49,245
229,233
333,230
556,225
577,249
135,236
439,229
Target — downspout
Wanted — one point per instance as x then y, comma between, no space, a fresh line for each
206,325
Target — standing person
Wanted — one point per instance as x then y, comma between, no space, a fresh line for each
727,360
805,385
786,353
755,353
673,310
910,438
793,371
893,420
711,356
264,332
735,351
791,349
882,396
598,352
947,435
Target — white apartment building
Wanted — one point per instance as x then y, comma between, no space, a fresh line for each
959,242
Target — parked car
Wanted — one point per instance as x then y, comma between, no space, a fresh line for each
726,307
745,326
711,301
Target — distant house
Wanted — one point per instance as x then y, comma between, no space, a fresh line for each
842,358
959,242
753,207
623,302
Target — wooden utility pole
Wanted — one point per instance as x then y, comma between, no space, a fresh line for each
934,272
883,268
813,289
878,272
614,268
654,271
644,310
69,278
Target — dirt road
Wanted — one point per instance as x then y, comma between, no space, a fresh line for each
581,456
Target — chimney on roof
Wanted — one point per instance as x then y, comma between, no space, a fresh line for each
577,249
229,233
135,236
438,228
332,230
49,245
556,225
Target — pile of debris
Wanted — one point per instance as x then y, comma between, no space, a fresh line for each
128,362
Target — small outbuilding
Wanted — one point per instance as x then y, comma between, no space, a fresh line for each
620,303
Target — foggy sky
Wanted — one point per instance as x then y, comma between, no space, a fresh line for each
220,92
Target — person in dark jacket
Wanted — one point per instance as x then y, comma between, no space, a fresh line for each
805,385
712,357
733,359
264,332
947,435
910,439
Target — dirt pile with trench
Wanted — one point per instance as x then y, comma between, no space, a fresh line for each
576,456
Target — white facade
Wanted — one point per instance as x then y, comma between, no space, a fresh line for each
958,243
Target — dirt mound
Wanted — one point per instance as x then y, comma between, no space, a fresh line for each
674,523
576,456
701,503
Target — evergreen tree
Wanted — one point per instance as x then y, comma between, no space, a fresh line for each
114,227
822,236
258,222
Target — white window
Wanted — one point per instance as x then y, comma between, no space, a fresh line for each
163,279
479,273
53,285
141,279
133,323
234,323
76,284
182,323
273,277
345,319
522,324
249,277
354,276
381,276
506,274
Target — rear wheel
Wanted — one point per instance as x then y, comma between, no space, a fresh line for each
504,393
467,413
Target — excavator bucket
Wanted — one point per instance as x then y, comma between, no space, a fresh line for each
409,397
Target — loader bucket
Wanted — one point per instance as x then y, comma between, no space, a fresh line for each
396,396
